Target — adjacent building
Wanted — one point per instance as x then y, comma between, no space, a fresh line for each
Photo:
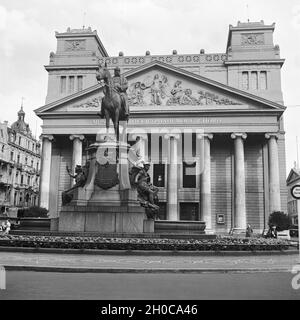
231,102
293,204
20,162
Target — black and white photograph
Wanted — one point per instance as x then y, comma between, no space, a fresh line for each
149,154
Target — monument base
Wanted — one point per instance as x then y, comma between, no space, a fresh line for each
103,219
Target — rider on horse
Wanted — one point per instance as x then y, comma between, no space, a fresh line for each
120,85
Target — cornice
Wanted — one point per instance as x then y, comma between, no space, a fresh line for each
257,61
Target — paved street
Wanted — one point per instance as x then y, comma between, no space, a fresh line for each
156,276
264,262
44,285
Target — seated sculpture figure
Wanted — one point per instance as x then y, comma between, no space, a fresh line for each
147,192
80,176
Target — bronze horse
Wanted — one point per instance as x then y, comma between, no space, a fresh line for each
111,102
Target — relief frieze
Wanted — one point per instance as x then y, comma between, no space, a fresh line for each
160,90
251,39
74,45
94,103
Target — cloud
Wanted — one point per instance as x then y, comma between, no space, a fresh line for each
296,17
134,26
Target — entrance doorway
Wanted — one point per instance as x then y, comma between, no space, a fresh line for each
189,211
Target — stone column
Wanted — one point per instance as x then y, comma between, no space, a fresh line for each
172,178
274,181
205,182
240,219
45,170
77,152
141,146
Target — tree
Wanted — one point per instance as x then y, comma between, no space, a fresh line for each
35,212
281,220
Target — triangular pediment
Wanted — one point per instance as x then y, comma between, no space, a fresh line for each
159,86
158,83
88,100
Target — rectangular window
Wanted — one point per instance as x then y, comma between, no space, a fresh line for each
63,83
189,175
11,156
79,83
254,80
263,80
159,174
245,84
2,136
19,140
71,84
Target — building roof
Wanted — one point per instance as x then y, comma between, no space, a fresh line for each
20,125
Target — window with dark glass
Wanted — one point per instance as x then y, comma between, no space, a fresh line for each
71,83
189,175
79,83
63,84
159,174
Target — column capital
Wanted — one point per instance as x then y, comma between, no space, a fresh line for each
176,136
239,135
205,135
269,135
76,136
47,136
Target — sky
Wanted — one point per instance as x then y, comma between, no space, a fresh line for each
27,33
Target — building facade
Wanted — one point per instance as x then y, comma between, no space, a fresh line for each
20,162
292,180
227,107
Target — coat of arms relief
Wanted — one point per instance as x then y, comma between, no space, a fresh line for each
160,90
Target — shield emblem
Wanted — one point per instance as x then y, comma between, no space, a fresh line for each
106,175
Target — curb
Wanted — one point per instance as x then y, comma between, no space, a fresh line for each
146,252
141,270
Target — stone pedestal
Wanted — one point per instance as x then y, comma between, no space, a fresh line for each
97,207
102,219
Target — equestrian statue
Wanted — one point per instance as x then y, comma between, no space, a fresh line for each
114,104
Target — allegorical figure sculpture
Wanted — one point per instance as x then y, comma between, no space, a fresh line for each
147,192
80,176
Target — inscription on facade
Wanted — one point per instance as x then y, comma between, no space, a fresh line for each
172,121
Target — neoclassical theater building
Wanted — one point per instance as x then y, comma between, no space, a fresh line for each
228,107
